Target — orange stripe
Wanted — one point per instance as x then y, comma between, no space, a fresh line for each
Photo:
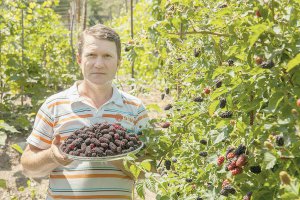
45,120
140,118
90,197
41,138
63,138
117,116
132,103
90,176
58,103
73,117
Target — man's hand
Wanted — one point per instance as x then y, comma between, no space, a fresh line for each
56,154
38,162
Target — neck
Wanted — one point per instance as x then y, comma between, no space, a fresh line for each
95,92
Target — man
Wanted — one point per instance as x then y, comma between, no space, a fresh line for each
92,100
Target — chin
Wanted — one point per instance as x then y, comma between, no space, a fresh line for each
100,82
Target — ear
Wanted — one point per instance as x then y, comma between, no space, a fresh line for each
78,58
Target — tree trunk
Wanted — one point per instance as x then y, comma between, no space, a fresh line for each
84,14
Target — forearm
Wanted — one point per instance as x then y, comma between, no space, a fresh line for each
38,164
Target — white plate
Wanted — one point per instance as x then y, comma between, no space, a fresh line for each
100,159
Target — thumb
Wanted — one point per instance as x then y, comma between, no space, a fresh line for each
56,139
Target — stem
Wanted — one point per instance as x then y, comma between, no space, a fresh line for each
22,53
131,33
272,10
252,111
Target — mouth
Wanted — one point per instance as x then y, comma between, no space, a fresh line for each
98,73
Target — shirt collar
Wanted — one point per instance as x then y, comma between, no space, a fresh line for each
74,96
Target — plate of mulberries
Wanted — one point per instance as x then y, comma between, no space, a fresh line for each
101,142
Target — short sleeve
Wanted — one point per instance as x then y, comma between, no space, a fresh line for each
42,133
142,119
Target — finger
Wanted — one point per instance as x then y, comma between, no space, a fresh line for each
56,139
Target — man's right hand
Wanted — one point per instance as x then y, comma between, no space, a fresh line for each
56,154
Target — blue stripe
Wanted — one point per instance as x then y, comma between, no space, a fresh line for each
90,190
69,130
119,111
142,108
51,119
75,111
50,137
139,112
85,168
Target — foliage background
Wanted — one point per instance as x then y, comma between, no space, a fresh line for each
186,46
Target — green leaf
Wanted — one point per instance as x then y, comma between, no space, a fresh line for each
293,63
275,100
3,183
256,30
135,171
158,197
220,138
131,157
146,165
212,107
7,127
241,126
18,147
218,93
150,184
3,137
153,107
221,124
140,190
270,160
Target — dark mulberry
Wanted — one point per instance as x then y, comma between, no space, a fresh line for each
240,150
168,164
107,136
203,154
267,65
230,62
104,140
198,99
87,141
196,53
112,147
104,145
167,90
188,180
203,141
218,83
168,107
222,103
226,114
279,140
109,153
255,169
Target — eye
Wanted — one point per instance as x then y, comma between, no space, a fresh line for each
90,55
107,56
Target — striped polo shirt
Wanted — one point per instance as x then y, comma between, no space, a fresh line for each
67,111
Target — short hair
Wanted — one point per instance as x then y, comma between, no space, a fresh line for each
101,32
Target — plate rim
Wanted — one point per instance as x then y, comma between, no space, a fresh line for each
100,159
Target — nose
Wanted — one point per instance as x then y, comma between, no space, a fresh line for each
99,63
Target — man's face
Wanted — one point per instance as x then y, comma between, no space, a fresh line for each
99,60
